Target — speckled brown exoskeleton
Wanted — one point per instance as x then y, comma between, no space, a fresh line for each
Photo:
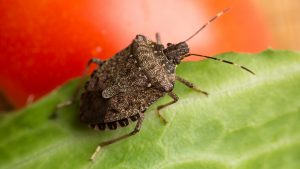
123,87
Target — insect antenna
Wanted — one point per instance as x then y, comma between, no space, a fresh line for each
211,20
221,60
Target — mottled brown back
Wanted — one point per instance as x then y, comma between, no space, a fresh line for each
128,83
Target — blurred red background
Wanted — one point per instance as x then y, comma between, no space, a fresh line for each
45,43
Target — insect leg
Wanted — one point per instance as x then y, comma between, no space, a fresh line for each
136,130
69,102
92,60
96,61
158,39
190,85
83,78
60,106
175,99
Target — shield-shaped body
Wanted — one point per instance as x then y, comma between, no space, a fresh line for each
127,84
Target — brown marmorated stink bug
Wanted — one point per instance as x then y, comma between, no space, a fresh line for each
124,86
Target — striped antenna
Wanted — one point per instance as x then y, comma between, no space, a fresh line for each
221,60
211,20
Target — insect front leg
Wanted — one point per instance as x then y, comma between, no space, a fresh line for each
175,99
136,130
190,85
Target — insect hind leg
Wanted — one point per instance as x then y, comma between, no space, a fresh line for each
71,101
106,143
60,106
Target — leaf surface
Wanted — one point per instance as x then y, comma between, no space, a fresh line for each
246,122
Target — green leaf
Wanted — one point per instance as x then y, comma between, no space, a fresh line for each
246,122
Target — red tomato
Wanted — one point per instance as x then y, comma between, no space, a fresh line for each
44,43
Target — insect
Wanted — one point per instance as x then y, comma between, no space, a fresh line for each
123,87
